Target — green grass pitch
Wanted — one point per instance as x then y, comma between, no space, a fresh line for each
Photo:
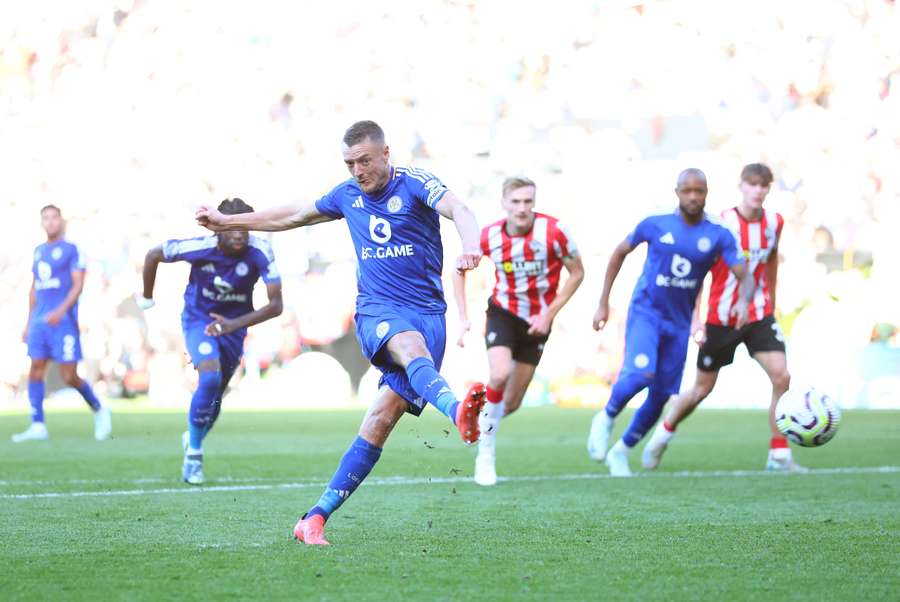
112,521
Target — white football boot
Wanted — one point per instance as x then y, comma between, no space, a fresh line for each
36,431
598,440
102,423
617,460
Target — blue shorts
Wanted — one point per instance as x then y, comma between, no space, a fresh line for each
61,343
228,348
657,348
374,331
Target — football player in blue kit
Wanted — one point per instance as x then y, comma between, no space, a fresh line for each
681,248
218,309
52,328
393,216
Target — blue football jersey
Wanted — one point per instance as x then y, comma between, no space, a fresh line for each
397,236
678,257
53,265
221,283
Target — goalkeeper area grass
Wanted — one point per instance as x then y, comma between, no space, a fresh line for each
95,520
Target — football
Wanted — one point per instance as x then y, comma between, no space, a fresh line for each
807,416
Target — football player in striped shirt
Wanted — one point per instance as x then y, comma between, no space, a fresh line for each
218,309
529,250
758,231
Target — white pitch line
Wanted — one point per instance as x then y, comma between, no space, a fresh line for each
385,481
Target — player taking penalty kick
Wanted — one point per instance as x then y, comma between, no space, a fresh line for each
681,248
759,231
393,217
529,251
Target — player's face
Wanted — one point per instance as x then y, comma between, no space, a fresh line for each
369,163
692,196
519,206
754,192
233,242
52,223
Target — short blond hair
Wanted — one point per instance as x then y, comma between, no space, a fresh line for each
510,184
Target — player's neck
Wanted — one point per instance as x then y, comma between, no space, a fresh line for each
751,214
513,230
53,239
691,220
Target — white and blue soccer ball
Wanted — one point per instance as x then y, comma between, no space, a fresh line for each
807,416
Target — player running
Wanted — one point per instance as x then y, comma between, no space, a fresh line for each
393,217
759,232
218,309
681,248
529,250
52,328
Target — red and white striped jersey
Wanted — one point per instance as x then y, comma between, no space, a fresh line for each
528,266
757,239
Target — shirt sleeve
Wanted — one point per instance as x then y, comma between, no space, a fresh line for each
729,249
186,249
78,262
265,260
425,187
562,241
329,205
485,243
641,232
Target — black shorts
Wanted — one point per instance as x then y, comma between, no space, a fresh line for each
721,341
504,329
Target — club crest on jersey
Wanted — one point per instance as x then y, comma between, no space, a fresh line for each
641,361
56,253
205,348
704,244
382,329
379,229
241,269
394,204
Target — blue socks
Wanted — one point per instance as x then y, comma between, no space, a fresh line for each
36,398
204,407
353,469
627,386
88,394
645,417
427,382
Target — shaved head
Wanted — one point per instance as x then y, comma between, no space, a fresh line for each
690,172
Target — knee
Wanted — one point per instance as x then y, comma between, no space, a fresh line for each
209,381
72,380
781,380
381,419
498,378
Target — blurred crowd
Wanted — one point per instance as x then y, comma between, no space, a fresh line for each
129,113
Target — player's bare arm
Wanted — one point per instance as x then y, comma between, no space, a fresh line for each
612,270
148,274
222,325
274,219
32,301
698,327
469,234
745,293
459,295
540,324
54,317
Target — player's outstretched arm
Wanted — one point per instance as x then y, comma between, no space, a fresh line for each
612,270
274,219
459,295
452,208
222,325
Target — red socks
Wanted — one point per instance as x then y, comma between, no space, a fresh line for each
493,395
